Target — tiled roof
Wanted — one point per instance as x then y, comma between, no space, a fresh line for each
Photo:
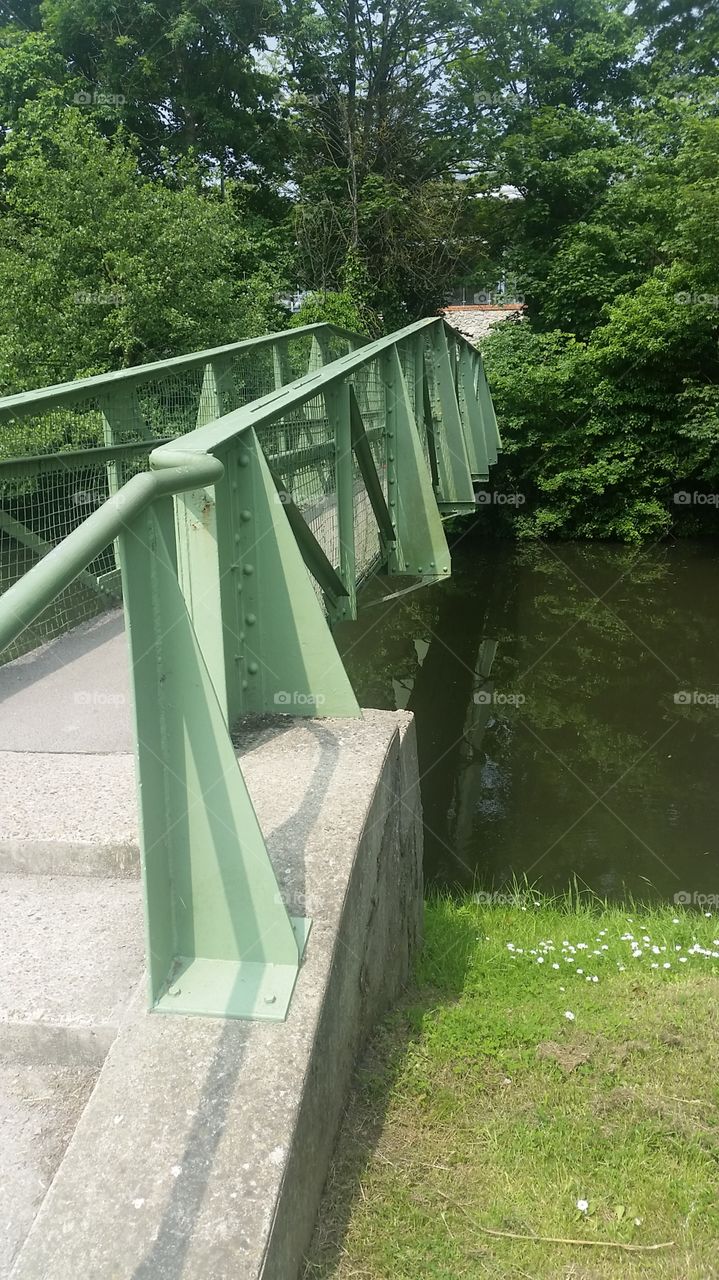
474,321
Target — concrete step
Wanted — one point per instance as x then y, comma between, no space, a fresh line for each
68,814
71,957
40,1107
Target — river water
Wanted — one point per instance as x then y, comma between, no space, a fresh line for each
567,708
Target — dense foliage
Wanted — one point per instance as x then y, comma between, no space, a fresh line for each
169,174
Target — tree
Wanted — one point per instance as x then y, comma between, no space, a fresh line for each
604,431
539,88
373,160
102,267
181,78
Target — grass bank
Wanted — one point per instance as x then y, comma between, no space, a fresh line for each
554,1074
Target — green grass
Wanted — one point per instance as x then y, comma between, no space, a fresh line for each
480,1104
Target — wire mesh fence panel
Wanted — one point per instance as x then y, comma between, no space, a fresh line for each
336,346
36,513
300,448
167,406
70,427
366,533
407,352
251,376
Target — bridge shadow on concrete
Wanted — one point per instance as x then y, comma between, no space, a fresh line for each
362,1135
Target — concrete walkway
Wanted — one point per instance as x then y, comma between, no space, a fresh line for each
70,695
147,1147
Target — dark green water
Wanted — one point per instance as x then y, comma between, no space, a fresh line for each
554,740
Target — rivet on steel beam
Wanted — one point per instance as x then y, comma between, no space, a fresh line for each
251,619
245,515
248,569
253,668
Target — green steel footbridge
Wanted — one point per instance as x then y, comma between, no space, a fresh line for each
233,500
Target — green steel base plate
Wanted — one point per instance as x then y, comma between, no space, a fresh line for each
234,988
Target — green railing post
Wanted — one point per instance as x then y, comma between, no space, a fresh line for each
489,418
202,569
199,559
471,415
456,491
337,400
319,352
219,940
421,546
216,393
280,364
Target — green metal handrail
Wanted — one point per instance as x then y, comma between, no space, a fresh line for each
71,444
34,401
22,602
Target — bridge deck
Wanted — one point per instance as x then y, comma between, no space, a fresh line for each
70,695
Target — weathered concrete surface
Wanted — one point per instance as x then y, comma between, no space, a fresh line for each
71,694
40,1106
68,814
203,1150
71,956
